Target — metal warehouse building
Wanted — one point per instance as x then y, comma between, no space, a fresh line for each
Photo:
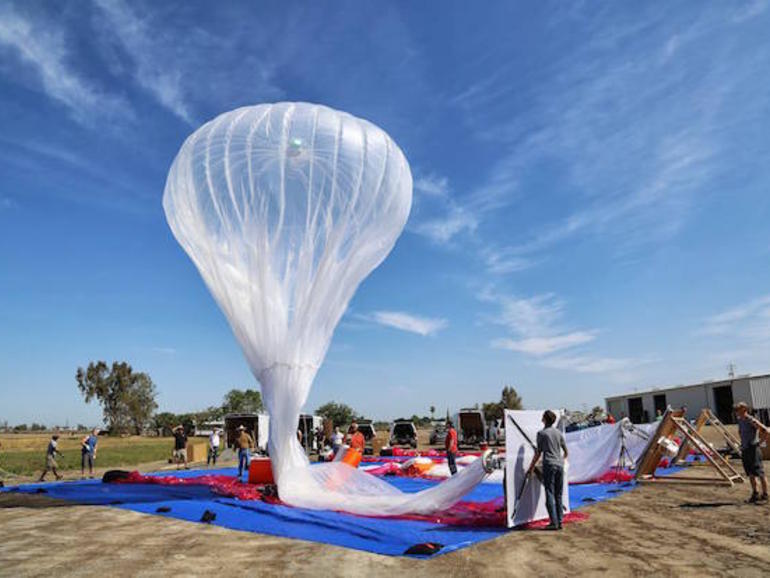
719,396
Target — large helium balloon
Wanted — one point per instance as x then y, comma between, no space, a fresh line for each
284,209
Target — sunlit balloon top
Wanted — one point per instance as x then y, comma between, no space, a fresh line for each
285,208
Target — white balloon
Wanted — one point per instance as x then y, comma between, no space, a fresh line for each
284,209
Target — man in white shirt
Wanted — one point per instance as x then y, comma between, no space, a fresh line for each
337,439
213,447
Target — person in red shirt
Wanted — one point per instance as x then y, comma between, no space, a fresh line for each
357,440
610,419
450,442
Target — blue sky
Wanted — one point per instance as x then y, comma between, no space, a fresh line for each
591,195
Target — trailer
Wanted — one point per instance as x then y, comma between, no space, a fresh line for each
257,424
471,427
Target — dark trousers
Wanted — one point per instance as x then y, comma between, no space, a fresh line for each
450,458
553,481
212,455
86,459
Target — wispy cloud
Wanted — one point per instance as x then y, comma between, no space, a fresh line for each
443,229
747,320
633,131
42,46
7,203
165,350
407,322
432,185
536,322
545,345
505,260
589,364
154,72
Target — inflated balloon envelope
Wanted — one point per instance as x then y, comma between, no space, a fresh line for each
284,209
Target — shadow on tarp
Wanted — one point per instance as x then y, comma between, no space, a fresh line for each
386,536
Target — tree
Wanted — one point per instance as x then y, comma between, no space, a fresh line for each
432,411
127,398
140,402
339,413
242,401
492,410
510,399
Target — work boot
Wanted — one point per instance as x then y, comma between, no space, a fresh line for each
763,497
753,499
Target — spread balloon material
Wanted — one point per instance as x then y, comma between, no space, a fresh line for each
285,209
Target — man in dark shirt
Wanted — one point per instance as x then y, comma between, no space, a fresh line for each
550,444
180,447
751,455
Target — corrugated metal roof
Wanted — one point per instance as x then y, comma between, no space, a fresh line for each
728,381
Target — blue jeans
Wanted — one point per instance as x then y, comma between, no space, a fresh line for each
450,459
553,480
244,459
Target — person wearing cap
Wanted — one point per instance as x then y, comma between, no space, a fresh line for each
180,447
450,444
750,429
357,439
50,458
214,442
244,443
88,453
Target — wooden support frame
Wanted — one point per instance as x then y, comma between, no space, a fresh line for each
707,417
674,423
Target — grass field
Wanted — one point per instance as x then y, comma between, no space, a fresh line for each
24,454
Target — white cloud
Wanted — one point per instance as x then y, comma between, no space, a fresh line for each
155,72
165,350
441,230
411,323
634,136
545,345
535,320
42,46
588,364
750,319
432,185
503,261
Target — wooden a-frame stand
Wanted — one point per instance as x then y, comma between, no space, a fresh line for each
674,423
707,417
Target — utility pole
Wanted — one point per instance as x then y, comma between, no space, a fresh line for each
731,370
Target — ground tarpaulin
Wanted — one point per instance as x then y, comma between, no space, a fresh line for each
382,536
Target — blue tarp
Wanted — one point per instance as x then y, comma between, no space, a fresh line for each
382,536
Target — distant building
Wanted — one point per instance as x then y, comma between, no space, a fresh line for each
719,396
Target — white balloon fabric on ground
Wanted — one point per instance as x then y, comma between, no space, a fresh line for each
284,209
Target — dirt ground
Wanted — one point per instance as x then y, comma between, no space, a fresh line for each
655,529
665,530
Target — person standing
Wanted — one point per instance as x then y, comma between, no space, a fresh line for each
214,441
88,453
450,443
550,444
244,442
751,455
337,439
357,440
180,447
50,458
